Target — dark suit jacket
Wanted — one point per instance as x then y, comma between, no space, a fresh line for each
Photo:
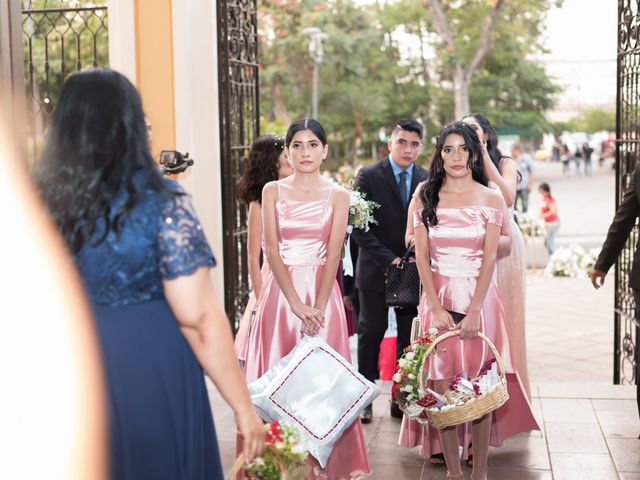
620,229
384,241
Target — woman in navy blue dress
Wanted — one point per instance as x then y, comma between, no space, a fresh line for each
145,264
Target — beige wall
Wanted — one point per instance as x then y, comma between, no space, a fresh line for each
169,50
154,69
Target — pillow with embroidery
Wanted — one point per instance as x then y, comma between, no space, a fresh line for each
315,389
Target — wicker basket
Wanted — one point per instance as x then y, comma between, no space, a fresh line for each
474,408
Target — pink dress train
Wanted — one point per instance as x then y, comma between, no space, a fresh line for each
511,284
455,245
304,228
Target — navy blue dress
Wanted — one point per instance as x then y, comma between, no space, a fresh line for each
160,420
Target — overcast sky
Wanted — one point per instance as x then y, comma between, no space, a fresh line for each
582,37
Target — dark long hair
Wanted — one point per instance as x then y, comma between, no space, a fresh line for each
97,141
310,124
262,167
492,140
430,194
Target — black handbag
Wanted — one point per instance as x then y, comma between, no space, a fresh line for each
403,283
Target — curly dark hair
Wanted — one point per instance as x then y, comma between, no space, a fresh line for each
430,194
97,142
262,167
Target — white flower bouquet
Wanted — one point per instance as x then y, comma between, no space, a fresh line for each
361,211
530,226
571,261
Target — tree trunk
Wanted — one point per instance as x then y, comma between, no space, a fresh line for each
460,92
279,107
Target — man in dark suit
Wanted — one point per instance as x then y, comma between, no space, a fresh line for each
390,183
617,236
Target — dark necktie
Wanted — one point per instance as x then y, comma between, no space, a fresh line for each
404,191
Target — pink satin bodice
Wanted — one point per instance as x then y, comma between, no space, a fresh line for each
456,242
303,230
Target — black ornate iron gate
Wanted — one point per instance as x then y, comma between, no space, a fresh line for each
58,40
239,125
627,330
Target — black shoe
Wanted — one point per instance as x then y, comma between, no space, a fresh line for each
395,410
367,414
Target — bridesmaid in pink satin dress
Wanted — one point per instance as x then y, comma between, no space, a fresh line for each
305,220
456,258
267,162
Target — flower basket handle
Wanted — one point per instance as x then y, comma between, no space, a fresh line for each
454,333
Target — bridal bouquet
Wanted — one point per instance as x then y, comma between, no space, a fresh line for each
406,384
283,456
361,211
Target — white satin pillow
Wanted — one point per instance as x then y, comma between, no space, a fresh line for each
315,389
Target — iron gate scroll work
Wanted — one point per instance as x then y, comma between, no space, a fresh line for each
627,330
239,126
57,42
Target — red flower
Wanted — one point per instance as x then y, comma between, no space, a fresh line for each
274,432
395,391
476,389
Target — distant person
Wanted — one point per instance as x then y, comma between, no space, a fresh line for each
556,152
565,157
617,236
587,151
145,262
549,213
577,158
524,164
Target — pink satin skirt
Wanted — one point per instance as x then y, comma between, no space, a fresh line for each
457,356
276,330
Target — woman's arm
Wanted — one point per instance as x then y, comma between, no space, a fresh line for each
312,318
442,318
254,246
505,240
506,178
334,247
206,328
470,325
409,232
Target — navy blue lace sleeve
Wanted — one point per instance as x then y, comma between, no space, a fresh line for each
182,245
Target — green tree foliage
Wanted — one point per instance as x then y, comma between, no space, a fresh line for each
363,85
596,120
387,60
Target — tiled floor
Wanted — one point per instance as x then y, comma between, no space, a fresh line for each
590,427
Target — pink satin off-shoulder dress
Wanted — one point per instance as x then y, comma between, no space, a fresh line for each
456,244
303,231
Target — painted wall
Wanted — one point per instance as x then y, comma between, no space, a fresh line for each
169,50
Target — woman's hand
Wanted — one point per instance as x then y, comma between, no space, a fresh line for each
312,318
252,432
469,326
442,320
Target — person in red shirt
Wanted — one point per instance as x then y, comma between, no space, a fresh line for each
549,212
